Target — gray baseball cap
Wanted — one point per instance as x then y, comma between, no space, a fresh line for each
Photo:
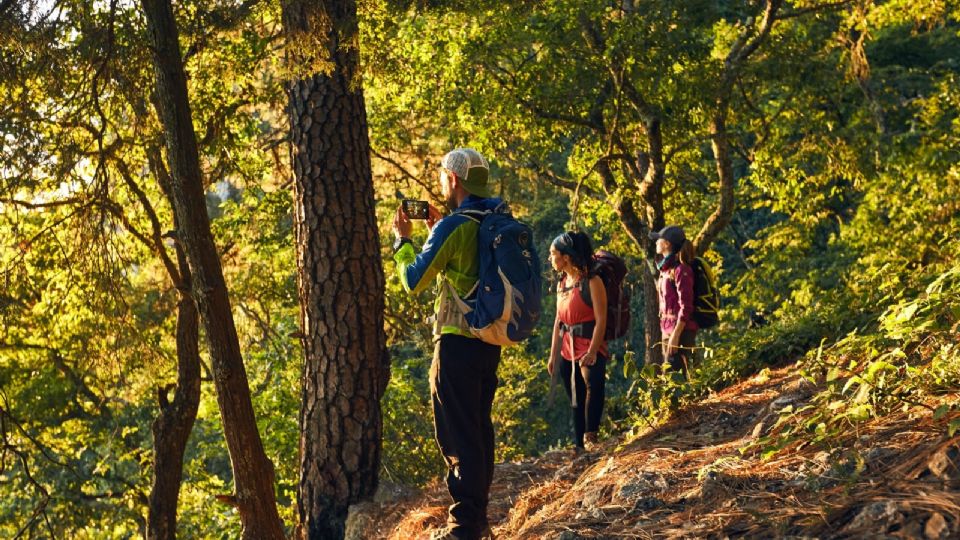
672,234
471,169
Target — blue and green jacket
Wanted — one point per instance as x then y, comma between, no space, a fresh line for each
451,260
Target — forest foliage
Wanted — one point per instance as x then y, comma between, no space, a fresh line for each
841,253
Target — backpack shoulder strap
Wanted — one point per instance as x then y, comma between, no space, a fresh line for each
473,215
585,291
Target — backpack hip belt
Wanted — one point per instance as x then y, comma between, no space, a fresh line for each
584,329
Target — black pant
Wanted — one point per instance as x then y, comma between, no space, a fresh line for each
588,401
463,381
683,357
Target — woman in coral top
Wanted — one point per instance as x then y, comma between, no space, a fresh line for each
578,333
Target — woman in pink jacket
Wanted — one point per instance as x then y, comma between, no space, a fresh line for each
676,298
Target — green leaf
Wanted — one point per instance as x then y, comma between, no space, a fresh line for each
820,349
953,426
908,312
852,381
878,367
859,413
941,411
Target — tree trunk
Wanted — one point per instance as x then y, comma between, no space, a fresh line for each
638,231
172,428
720,217
252,471
652,192
733,64
340,276
651,173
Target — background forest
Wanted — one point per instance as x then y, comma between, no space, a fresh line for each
812,148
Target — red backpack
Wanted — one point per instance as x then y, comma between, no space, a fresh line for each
612,271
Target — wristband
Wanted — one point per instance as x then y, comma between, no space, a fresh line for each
400,242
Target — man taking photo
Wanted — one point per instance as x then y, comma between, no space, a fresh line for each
463,375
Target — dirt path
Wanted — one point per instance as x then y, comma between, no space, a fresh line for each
689,479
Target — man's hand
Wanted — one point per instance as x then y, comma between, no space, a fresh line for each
402,227
433,216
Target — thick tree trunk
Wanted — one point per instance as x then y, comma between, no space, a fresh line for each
252,471
339,270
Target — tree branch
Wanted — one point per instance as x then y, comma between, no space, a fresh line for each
34,205
739,53
219,20
407,174
813,9
156,229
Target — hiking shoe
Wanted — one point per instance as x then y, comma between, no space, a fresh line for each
447,533
590,440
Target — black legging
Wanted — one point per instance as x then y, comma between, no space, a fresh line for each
588,402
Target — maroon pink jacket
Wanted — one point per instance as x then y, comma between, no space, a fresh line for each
675,289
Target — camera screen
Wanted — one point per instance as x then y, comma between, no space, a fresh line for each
415,209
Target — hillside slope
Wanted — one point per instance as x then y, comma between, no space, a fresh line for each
894,477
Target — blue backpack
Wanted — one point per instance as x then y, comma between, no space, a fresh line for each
506,306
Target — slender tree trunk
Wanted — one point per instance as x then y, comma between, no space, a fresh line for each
252,471
340,276
172,428
651,165
638,231
740,52
720,218
652,192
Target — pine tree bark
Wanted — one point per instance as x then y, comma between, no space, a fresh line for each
252,471
340,276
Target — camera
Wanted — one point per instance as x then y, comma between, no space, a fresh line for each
415,209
